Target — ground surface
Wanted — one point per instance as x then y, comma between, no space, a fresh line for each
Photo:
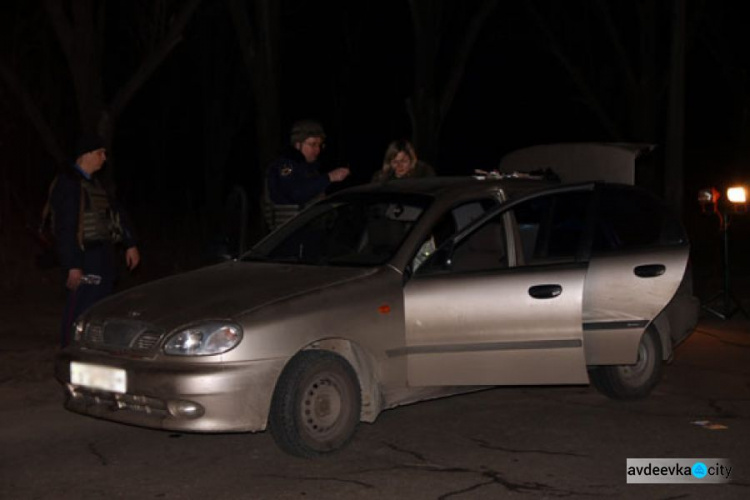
566,442
548,442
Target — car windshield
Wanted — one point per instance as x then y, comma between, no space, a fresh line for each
347,230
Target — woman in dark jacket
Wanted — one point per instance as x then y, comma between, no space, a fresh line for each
400,162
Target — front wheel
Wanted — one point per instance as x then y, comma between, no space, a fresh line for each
632,381
316,405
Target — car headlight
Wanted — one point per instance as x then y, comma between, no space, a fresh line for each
204,339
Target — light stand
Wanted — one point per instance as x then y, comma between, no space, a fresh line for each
724,304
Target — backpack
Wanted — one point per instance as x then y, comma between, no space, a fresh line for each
46,228
45,232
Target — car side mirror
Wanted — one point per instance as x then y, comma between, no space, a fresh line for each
440,261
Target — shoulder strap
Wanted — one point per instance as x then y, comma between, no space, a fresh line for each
47,210
81,207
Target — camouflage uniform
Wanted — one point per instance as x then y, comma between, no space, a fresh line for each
88,223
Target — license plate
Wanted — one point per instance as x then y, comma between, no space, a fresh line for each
105,378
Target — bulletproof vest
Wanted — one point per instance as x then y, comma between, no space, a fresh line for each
98,221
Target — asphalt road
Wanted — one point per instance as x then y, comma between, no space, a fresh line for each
531,442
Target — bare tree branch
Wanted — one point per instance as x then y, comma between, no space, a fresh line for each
259,45
153,59
265,21
244,31
623,57
426,42
416,18
576,75
99,28
62,27
648,44
437,78
462,56
37,119
411,111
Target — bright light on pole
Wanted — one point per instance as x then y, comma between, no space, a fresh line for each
735,204
737,194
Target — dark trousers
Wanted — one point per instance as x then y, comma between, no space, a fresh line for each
98,260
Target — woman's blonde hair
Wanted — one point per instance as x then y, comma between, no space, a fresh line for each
396,147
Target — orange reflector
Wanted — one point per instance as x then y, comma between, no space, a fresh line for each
384,309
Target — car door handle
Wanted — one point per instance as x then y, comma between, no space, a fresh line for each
650,270
545,291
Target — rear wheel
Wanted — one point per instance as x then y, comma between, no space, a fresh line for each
316,405
632,381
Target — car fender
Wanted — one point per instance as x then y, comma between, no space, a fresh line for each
661,323
363,365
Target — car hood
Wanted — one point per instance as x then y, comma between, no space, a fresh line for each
220,292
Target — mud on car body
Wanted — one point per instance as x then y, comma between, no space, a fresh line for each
388,294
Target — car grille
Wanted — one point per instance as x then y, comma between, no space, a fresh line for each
121,335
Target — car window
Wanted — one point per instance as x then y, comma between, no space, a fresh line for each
483,250
469,212
551,228
356,230
629,218
449,224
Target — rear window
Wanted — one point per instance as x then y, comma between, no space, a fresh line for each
551,227
631,218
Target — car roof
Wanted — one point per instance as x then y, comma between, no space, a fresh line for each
450,187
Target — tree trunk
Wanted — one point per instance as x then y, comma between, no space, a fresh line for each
80,32
225,95
432,97
259,43
673,178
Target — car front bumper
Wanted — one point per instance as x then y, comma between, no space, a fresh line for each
195,397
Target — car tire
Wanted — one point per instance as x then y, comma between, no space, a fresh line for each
632,381
316,404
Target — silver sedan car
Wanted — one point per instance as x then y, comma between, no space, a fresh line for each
389,294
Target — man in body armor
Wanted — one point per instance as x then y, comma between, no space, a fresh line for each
294,180
88,223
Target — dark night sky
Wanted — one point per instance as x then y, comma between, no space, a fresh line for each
514,93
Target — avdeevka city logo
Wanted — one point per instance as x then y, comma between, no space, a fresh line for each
679,470
699,470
